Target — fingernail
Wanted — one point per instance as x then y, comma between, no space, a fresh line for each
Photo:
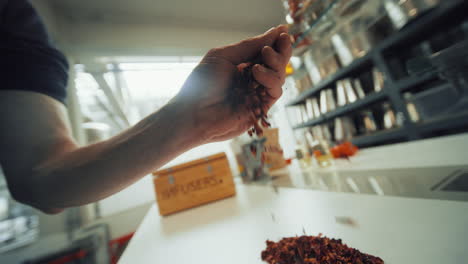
283,28
268,31
286,36
261,68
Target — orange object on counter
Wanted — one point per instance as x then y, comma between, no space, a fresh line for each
336,152
344,150
317,153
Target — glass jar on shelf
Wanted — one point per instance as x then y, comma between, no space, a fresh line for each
363,26
401,12
304,83
321,60
321,153
294,115
303,150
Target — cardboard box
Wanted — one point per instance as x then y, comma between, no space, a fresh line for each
193,183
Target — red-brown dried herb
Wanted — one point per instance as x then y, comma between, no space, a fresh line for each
250,94
314,250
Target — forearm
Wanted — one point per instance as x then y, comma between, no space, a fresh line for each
45,169
91,173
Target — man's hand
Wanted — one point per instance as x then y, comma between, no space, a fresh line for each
46,169
207,88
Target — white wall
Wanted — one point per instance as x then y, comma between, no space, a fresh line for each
98,40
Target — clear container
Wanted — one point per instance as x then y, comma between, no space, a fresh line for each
368,119
304,115
389,117
360,32
378,79
310,108
304,83
321,61
294,115
346,8
448,98
327,101
401,12
321,153
434,101
344,129
302,151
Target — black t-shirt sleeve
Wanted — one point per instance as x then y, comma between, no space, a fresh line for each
28,60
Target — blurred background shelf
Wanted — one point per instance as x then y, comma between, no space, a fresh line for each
447,122
394,135
447,12
401,90
356,65
370,99
310,123
329,5
424,129
412,81
408,33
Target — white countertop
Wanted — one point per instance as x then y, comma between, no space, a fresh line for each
399,230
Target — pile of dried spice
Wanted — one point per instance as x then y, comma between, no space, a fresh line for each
314,250
250,94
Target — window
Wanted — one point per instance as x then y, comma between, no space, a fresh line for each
122,94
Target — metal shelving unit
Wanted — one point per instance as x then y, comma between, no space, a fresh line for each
443,16
444,122
410,82
401,134
393,135
340,74
330,5
371,98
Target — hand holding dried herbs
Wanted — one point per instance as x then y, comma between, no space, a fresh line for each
257,94
252,95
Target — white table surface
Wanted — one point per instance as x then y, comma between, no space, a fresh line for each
399,230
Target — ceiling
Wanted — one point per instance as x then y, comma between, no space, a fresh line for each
245,15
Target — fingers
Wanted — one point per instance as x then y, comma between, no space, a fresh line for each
272,80
272,59
248,49
284,46
277,60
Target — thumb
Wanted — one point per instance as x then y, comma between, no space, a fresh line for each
249,49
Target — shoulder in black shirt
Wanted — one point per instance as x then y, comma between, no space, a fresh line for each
28,60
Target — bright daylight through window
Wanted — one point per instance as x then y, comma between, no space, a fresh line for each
127,91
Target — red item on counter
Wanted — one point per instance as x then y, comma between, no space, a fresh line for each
344,150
